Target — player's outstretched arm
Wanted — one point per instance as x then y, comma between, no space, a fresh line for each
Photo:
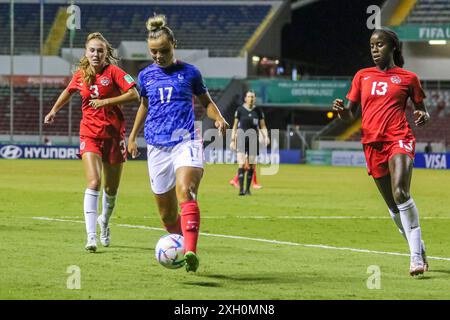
234,134
63,98
137,127
345,112
213,113
264,132
130,96
421,114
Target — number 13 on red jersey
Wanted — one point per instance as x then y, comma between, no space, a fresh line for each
379,88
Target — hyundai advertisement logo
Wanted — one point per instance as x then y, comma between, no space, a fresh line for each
11,152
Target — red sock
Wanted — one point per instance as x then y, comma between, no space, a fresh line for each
254,177
236,179
174,228
190,223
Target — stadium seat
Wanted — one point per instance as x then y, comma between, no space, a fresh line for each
430,12
213,27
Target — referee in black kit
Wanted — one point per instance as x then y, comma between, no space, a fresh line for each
251,123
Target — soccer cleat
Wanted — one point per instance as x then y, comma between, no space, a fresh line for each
257,186
91,244
247,192
417,266
234,183
191,260
105,235
241,193
424,257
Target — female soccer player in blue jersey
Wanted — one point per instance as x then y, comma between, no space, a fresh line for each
174,148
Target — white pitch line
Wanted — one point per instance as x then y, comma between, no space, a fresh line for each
325,217
319,246
292,217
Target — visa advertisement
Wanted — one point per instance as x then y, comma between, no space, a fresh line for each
357,159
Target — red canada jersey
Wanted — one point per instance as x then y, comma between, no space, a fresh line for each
104,122
383,96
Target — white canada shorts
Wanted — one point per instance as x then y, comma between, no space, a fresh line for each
164,161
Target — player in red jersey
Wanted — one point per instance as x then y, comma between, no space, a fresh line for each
103,87
388,141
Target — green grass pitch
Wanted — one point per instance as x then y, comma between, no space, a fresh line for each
333,209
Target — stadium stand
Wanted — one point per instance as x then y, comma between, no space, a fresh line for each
26,26
4,110
223,29
26,111
438,104
427,13
430,12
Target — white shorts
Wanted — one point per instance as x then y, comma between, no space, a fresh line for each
164,161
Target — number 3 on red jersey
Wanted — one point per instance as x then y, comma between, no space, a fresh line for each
95,94
381,86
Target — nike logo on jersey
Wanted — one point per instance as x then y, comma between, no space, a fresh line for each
365,78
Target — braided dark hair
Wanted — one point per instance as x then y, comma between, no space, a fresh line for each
395,43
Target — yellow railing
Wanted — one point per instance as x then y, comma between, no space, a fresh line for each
258,32
401,12
57,33
351,130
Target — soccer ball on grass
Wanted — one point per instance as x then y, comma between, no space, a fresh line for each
169,251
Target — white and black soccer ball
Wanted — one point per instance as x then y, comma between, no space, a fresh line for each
169,251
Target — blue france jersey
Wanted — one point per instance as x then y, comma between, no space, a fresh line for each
170,93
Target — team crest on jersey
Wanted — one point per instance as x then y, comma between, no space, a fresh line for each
82,145
396,79
104,81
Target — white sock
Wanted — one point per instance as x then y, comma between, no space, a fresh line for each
90,210
398,222
108,203
410,220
